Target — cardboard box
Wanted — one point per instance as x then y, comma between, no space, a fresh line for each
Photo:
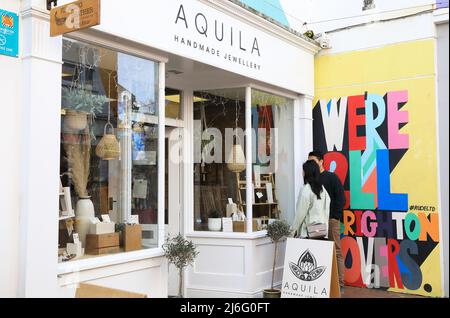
241,226
227,224
102,228
102,244
132,238
104,250
93,291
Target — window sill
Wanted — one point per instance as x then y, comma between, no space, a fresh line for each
228,235
107,260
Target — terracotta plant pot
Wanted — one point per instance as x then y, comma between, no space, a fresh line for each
75,121
272,293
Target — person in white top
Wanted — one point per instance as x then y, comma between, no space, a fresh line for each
313,204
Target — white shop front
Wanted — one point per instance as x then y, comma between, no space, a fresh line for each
183,84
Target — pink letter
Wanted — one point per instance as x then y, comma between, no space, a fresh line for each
395,117
365,226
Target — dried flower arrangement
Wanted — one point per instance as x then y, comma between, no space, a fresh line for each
78,151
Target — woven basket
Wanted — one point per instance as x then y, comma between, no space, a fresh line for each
75,121
109,147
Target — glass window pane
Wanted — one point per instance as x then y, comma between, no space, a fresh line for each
219,160
109,147
273,162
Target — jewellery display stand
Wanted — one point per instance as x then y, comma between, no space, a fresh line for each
268,201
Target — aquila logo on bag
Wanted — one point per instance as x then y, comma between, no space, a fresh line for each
306,269
7,21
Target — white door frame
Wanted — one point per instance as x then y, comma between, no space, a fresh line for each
174,186
175,195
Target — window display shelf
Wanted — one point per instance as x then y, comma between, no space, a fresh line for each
257,188
267,184
66,217
100,261
144,118
228,235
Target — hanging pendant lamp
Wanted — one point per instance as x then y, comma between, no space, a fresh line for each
236,159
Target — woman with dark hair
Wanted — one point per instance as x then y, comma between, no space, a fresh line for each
313,204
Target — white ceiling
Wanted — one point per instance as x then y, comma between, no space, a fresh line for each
199,76
183,73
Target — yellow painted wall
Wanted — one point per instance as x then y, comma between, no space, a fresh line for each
405,66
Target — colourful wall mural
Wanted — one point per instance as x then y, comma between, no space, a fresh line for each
374,117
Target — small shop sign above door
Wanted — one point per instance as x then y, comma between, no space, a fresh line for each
74,16
9,33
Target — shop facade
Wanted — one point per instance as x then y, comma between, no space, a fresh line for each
184,86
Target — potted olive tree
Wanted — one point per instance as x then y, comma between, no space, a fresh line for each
276,231
79,103
181,253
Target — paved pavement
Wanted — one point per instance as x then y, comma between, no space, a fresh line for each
355,292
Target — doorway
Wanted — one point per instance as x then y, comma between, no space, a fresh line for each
173,182
173,195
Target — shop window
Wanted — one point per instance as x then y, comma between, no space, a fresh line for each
273,157
109,152
220,180
219,158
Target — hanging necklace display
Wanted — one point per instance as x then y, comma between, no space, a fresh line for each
109,147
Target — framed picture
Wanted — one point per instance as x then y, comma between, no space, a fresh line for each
257,170
65,203
269,192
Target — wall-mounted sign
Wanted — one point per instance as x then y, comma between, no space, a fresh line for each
200,31
310,270
74,16
9,33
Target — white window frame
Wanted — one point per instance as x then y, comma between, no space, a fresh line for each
112,43
189,160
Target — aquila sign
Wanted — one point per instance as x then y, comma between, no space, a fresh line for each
310,270
74,16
